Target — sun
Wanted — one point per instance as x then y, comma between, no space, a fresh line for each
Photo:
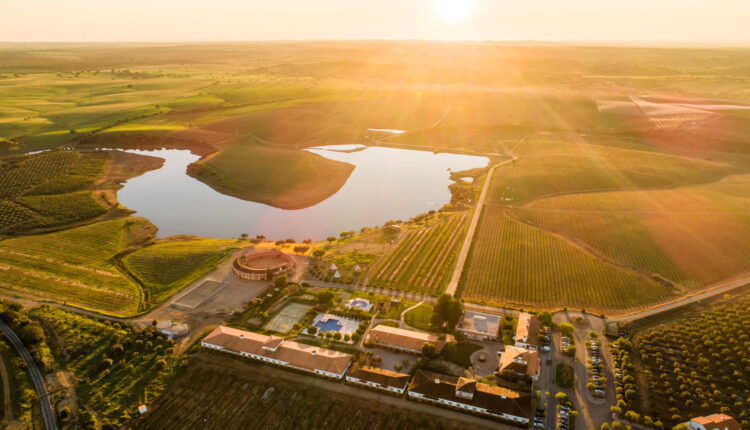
453,10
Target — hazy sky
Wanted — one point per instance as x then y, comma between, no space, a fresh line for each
662,21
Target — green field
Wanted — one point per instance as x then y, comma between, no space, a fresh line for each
696,365
280,177
516,264
74,266
165,268
425,256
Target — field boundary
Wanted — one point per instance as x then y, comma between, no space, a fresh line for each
466,246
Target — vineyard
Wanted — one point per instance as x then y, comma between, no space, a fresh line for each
213,397
165,268
74,266
693,236
699,365
513,263
667,115
424,258
49,189
553,166
117,367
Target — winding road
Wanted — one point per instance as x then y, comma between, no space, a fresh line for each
36,377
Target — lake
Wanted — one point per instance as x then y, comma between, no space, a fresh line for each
387,183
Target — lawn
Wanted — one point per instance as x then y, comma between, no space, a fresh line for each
419,317
460,353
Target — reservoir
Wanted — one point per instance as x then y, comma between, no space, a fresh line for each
386,184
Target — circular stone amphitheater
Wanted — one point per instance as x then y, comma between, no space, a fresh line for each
256,266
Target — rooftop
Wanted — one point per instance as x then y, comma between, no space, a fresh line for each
399,337
718,422
528,329
381,376
494,399
478,322
296,354
520,360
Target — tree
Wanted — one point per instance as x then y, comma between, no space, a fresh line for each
260,237
325,297
446,313
281,281
561,398
545,317
616,425
243,235
31,334
319,253
605,426
331,238
312,330
429,350
566,329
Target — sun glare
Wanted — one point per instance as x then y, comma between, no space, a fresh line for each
453,10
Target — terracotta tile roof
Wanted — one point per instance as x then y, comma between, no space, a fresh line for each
718,422
296,354
380,376
494,399
399,337
528,327
511,353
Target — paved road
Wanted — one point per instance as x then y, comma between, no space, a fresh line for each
716,289
8,406
453,284
36,377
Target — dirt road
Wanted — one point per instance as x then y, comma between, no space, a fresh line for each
453,285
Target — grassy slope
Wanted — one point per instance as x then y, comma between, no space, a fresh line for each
279,177
513,263
74,266
167,267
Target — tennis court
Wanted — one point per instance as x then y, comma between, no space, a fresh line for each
283,321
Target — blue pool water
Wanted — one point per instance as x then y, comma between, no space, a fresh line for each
330,325
360,304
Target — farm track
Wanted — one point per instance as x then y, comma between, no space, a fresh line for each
466,247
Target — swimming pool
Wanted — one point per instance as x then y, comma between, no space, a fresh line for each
329,325
363,304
